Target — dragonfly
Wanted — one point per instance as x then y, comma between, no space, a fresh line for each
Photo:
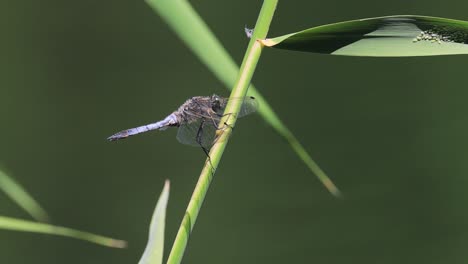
197,120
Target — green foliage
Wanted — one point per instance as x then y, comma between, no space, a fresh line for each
19,195
390,36
188,25
384,36
155,247
23,199
241,86
29,226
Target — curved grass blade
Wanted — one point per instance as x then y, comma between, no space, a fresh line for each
155,247
389,36
22,198
189,26
29,226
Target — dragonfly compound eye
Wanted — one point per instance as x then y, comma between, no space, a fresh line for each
216,105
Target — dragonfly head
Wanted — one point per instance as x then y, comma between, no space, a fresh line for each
215,102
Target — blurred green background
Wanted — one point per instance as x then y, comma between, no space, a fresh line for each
392,134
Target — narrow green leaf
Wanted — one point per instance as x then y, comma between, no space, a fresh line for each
22,198
29,226
189,26
390,36
155,247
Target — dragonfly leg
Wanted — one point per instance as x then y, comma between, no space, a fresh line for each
199,133
225,123
199,141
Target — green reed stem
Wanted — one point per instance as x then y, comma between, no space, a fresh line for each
240,90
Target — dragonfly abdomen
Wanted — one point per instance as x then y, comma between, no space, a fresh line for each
170,120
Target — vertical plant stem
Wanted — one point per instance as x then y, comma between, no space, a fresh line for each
240,90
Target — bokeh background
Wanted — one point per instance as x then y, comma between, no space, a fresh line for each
392,133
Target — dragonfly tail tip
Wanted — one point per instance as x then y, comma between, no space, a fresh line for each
113,138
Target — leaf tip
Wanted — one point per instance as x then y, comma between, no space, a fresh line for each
167,185
118,243
43,217
331,187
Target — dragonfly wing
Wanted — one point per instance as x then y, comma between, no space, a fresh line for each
201,132
249,105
